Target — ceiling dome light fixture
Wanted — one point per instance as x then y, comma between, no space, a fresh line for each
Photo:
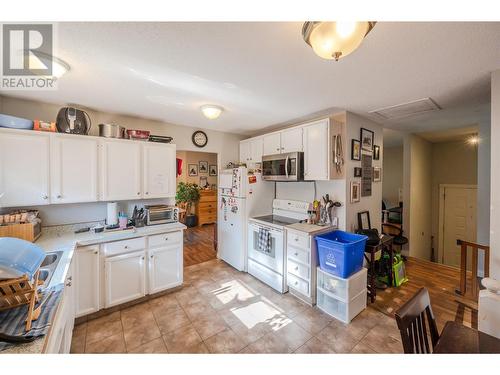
211,111
333,40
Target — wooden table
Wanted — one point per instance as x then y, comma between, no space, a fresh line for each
457,338
384,244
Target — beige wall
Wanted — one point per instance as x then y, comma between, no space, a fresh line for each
452,163
393,175
191,157
419,227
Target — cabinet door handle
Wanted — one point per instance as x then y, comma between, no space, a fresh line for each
138,193
166,238
151,256
96,252
45,196
296,238
68,283
147,192
296,268
296,254
142,258
125,247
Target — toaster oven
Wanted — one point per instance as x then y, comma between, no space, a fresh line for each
161,214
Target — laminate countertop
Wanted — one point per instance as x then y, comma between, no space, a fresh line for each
311,229
60,239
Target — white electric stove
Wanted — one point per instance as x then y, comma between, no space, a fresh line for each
270,266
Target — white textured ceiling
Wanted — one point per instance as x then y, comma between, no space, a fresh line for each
264,74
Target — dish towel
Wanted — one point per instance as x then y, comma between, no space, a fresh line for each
264,240
13,321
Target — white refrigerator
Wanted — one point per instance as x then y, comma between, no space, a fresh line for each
241,195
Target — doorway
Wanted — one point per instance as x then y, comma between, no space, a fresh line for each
457,220
201,169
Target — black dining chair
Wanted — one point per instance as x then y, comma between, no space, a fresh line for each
416,322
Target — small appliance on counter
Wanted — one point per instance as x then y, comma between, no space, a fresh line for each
73,121
111,131
161,214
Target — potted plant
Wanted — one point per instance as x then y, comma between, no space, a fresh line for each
188,194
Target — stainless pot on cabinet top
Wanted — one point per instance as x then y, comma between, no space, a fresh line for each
111,131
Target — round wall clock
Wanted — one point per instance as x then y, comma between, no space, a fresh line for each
200,138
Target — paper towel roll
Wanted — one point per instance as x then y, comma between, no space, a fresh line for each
112,216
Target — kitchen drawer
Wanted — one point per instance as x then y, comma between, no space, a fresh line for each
208,217
297,240
207,205
298,269
297,254
121,247
298,284
342,289
207,211
163,239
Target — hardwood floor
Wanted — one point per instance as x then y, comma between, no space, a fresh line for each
441,282
199,245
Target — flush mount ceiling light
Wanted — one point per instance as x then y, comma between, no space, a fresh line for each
211,111
333,40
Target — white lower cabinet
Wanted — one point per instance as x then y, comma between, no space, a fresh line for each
124,278
87,280
165,268
61,332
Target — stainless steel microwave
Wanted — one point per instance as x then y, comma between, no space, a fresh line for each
283,167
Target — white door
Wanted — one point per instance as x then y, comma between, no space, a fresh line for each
124,278
231,245
459,221
272,144
24,168
316,151
245,151
256,150
73,174
291,140
120,170
87,280
165,268
159,170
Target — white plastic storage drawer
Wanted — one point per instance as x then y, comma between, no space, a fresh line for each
344,289
298,269
343,311
298,254
298,284
165,239
294,239
123,247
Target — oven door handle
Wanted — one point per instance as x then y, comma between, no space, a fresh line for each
286,166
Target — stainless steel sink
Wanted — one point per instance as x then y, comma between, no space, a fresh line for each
48,266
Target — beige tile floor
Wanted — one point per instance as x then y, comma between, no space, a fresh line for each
221,310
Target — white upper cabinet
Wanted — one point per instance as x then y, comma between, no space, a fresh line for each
120,170
315,140
74,173
272,143
291,140
245,151
256,149
24,168
159,170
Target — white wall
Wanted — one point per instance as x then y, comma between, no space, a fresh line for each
418,196
191,157
393,175
495,177
483,188
225,144
373,203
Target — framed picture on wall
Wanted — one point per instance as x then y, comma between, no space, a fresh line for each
192,170
204,181
212,170
355,149
376,152
366,137
355,191
377,174
203,166
357,171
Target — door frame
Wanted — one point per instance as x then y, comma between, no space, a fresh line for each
442,188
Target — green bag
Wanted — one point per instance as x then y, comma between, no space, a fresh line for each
399,271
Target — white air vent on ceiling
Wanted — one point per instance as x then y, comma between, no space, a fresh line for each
407,109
